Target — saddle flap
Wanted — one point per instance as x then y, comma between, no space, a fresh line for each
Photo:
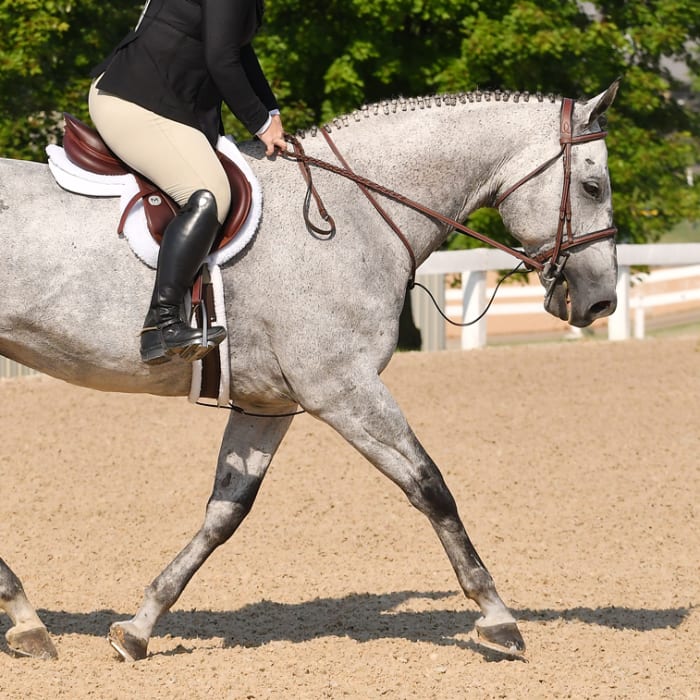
157,206
241,201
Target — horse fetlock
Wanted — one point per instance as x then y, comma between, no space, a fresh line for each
31,640
478,586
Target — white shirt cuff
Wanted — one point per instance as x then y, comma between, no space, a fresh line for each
266,125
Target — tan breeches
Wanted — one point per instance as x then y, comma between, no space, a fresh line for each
176,157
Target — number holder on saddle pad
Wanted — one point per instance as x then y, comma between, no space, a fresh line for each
85,165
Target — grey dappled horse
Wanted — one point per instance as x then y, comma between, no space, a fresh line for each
312,321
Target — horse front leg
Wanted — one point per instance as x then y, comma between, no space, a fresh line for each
28,635
369,418
246,452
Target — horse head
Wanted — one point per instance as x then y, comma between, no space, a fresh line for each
563,215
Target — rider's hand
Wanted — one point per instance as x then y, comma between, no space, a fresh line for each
273,136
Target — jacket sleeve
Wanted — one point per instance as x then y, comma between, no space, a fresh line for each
227,29
257,78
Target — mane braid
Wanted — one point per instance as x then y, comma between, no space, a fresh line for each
404,104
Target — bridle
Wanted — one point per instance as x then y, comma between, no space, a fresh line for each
549,263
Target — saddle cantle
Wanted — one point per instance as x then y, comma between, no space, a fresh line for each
85,148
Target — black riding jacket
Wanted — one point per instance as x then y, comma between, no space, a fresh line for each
186,57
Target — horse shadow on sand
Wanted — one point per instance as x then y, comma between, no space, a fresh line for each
362,617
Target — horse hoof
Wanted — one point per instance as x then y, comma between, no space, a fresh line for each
128,645
504,637
34,642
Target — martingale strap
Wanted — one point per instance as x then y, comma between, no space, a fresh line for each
373,200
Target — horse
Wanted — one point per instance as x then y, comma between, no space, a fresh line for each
313,319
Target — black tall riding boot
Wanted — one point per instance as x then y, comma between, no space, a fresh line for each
186,243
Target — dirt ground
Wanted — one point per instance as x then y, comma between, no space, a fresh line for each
576,470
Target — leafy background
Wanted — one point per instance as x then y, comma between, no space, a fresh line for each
327,58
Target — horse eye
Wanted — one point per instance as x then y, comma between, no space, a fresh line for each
592,189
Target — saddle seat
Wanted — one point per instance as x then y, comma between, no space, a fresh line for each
85,148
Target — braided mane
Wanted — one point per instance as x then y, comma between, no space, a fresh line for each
404,104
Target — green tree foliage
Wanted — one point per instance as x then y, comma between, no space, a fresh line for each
326,58
46,52
330,57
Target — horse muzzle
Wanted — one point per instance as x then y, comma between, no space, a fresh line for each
582,287
559,304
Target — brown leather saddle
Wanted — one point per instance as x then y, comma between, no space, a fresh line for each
85,148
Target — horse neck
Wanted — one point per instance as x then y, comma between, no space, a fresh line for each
448,155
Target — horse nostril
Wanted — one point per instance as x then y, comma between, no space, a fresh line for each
602,308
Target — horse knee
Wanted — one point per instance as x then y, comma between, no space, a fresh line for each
225,515
221,521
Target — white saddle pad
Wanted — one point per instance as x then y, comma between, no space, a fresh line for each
75,179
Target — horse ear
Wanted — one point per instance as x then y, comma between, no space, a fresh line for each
593,109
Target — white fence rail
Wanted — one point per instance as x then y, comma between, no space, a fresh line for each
641,301
472,297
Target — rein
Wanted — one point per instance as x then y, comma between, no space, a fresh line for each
549,262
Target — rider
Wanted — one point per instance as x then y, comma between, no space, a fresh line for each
156,102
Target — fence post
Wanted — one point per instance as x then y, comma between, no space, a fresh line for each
473,303
639,320
619,323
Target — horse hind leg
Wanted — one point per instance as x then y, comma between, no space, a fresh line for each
246,452
28,635
369,418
